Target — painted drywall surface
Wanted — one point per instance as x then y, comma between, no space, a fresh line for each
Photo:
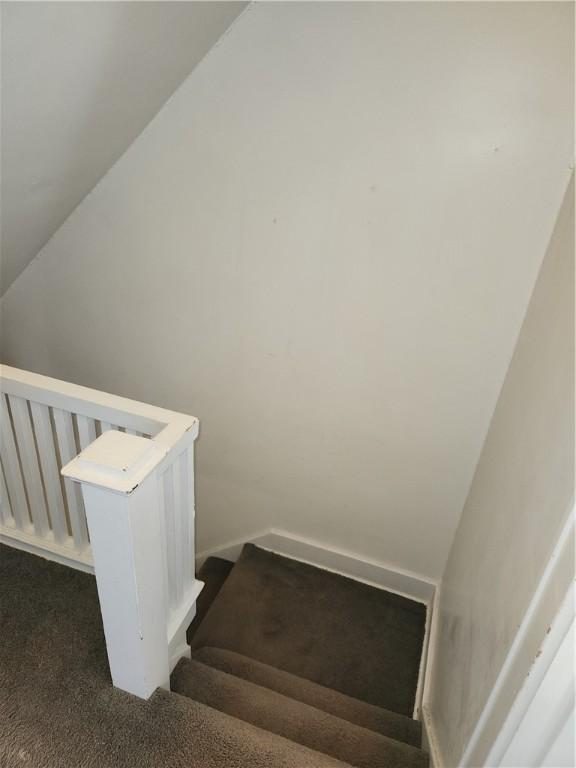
323,247
79,83
518,501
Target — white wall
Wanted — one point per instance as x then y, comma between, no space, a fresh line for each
323,246
520,497
80,80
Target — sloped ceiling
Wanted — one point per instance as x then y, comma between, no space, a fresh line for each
323,247
79,82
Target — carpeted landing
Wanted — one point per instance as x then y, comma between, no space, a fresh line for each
318,625
277,677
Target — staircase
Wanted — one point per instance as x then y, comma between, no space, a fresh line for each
269,607
254,693
284,665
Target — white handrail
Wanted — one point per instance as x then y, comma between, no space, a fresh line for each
134,516
96,404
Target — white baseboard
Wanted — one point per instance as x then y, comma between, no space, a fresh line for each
429,654
48,549
426,659
430,739
228,551
339,561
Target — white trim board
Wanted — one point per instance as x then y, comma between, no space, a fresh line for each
496,722
430,741
348,564
545,701
432,646
539,615
427,658
429,738
49,550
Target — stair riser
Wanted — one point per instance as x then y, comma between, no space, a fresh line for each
354,711
293,720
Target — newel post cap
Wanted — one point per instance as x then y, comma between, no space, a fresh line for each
116,460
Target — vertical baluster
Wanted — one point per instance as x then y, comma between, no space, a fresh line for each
30,465
67,446
86,431
105,427
186,512
191,514
178,529
12,470
50,470
6,517
168,481
164,542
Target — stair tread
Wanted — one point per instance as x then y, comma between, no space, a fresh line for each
213,573
321,626
215,739
293,720
358,712
58,708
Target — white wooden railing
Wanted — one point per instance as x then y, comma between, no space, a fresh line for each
100,482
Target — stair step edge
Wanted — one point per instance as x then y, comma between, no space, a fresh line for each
291,719
263,749
355,711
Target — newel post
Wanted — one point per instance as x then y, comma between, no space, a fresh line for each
120,487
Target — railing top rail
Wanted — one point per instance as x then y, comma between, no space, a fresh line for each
169,425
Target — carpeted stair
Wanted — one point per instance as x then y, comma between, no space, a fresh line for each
376,719
292,719
271,632
318,625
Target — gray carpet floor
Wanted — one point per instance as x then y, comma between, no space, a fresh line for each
58,708
340,633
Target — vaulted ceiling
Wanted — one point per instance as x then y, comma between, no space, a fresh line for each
79,82
323,246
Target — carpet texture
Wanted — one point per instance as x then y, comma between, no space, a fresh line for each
339,633
376,719
58,708
286,717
